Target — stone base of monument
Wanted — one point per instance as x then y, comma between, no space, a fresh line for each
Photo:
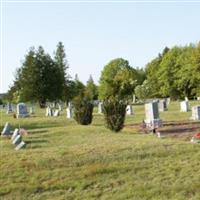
153,124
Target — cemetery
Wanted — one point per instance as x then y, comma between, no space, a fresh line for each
131,133
56,149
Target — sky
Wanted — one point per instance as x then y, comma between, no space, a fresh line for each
94,33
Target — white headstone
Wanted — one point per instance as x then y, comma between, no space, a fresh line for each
196,112
32,111
20,145
100,107
15,133
22,110
129,110
6,130
198,98
134,99
186,99
17,140
56,113
69,113
49,111
162,105
184,106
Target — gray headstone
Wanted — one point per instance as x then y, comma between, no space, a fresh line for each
9,108
22,110
196,112
22,144
152,115
6,130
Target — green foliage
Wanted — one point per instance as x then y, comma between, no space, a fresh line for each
175,72
117,80
83,108
40,78
92,89
114,112
143,91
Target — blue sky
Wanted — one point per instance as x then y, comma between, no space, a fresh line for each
95,33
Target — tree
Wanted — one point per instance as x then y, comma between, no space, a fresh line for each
117,80
117,84
38,79
61,62
91,88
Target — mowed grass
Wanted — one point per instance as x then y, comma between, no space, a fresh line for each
63,160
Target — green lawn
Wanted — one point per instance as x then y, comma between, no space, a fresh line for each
63,160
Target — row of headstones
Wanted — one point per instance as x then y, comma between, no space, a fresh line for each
21,110
16,137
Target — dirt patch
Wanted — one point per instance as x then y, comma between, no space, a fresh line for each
183,130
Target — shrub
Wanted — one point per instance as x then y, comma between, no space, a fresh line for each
114,112
83,108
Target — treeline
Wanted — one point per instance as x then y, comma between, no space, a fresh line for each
174,73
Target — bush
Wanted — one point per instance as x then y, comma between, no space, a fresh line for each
114,112
83,108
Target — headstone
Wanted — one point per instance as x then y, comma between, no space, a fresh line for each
49,111
168,100
129,110
15,134
69,113
152,115
9,108
56,113
22,144
198,98
59,107
162,105
184,106
32,111
17,140
186,99
100,105
6,130
134,99
22,110
196,112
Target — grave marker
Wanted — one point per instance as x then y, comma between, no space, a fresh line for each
17,140
15,133
22,144
129,110
196,113
9,108
100,105
162,105
152,115
184,106
6,130
22,110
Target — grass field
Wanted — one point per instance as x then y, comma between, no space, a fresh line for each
63,160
